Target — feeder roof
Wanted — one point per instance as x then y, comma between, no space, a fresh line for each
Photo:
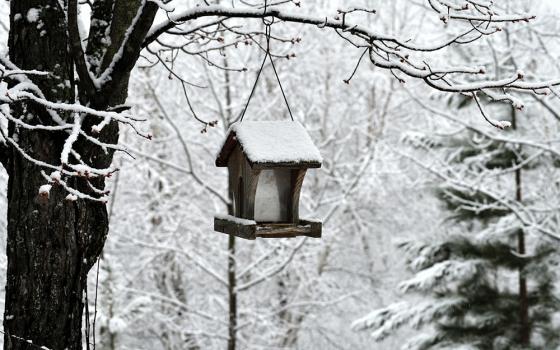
271,144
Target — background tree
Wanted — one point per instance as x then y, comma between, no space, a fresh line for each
490,279
474,297
66,105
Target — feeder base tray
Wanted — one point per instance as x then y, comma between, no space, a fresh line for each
233,226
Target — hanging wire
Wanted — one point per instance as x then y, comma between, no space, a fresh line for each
267,24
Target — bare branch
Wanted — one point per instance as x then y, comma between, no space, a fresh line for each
77,50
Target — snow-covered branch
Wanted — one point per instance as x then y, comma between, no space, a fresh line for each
17,88
399,54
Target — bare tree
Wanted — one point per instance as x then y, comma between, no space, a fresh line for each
66,107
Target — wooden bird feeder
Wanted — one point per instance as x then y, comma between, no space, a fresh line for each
267,161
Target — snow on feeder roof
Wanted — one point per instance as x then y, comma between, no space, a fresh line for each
271,144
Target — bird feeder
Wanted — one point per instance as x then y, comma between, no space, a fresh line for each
267,161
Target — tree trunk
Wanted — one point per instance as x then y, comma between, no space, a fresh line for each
232,294
232,267
52,243
524,323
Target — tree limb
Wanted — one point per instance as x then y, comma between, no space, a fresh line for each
216,10
76,49
392,53
125,58
97,43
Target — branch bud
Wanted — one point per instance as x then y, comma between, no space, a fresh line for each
45,190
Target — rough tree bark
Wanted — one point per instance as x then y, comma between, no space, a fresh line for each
52,243
47,237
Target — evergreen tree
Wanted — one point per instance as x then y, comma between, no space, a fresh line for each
484,284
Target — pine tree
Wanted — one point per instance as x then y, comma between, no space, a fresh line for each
483,284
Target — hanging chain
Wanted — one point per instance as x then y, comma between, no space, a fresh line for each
267,25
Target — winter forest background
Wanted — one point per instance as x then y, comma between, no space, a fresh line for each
423,202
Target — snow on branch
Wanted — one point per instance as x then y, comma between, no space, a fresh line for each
473,20
525,216
66,118
164,5
385,321
443,275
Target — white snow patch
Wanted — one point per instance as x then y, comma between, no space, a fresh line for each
117,325
502,124
3,88
82,169
45,190
32,15
235,219
71,197
314,220
96,129
275,142
55,176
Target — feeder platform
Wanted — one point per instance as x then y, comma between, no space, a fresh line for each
249,229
